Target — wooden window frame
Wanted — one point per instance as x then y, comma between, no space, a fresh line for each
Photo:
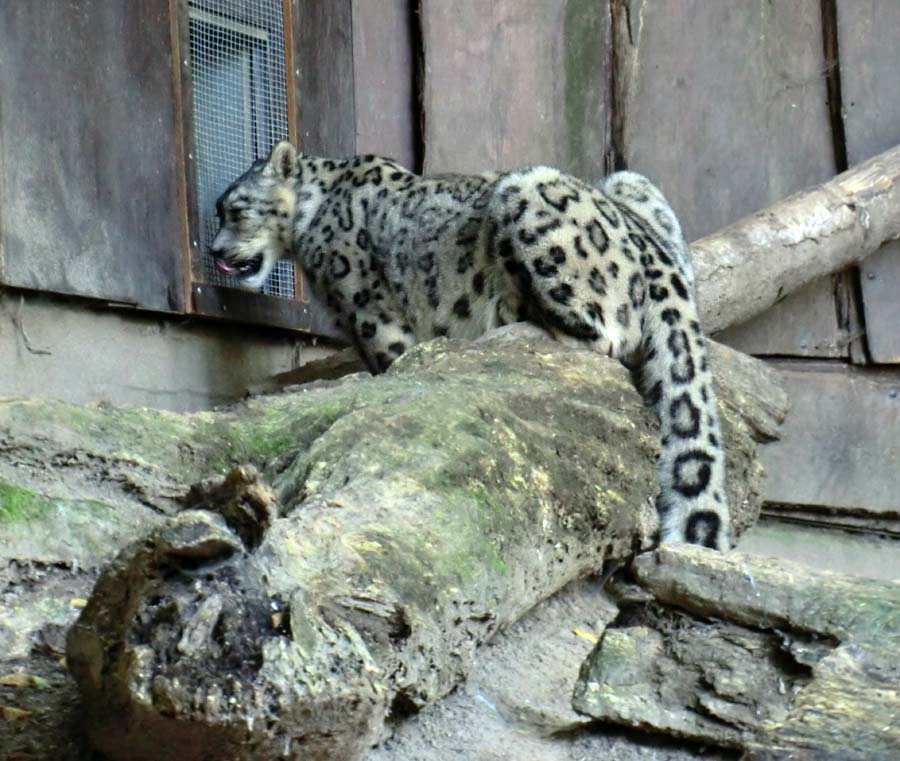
302,313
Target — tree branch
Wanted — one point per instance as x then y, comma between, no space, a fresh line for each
744,269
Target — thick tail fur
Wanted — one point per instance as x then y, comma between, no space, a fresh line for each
676,379
675,375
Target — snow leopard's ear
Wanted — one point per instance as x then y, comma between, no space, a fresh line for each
282,161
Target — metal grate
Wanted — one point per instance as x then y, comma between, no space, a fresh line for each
240,106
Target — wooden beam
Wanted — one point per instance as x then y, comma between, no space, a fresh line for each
747,267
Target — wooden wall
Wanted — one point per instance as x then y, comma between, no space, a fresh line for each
868,34
725,105
728,106
89,191
356,75
515,82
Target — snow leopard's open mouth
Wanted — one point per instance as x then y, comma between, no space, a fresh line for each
245,268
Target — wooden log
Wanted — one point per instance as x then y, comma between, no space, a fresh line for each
753,653
397,523
746,268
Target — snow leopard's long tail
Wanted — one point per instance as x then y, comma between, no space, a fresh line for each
676,380
675,374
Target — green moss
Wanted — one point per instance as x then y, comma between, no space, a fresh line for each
483,485
148,438
463,533
53,529
17,504
147,432
260,432
454,542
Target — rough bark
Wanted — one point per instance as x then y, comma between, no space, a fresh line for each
372,533
748,652
744,269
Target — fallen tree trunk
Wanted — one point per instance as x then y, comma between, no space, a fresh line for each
397,523
752,653
744,269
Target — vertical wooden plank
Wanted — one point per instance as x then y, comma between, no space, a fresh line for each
383,69
292,51
724,105
324,57
516,82
880,281
867,30
297,60
868,33
324,95
88,151
184,145
288,8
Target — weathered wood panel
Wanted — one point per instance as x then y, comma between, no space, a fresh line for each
384,69
802,325
867,34
183,92
516,82
354,73
251,307
323,34
840,445
88,178
881,301
871,99
724,105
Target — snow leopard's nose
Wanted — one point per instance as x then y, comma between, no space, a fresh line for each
220,244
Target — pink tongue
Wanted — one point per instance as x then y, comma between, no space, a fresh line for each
223,266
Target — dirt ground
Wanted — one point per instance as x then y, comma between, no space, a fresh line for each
515,705
37,603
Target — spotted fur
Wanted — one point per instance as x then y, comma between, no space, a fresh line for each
402,258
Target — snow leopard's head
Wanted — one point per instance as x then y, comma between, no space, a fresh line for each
256,217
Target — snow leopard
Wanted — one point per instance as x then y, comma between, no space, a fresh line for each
402,258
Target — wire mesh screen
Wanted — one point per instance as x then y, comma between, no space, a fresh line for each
240,106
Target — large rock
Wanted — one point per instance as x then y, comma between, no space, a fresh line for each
372,533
